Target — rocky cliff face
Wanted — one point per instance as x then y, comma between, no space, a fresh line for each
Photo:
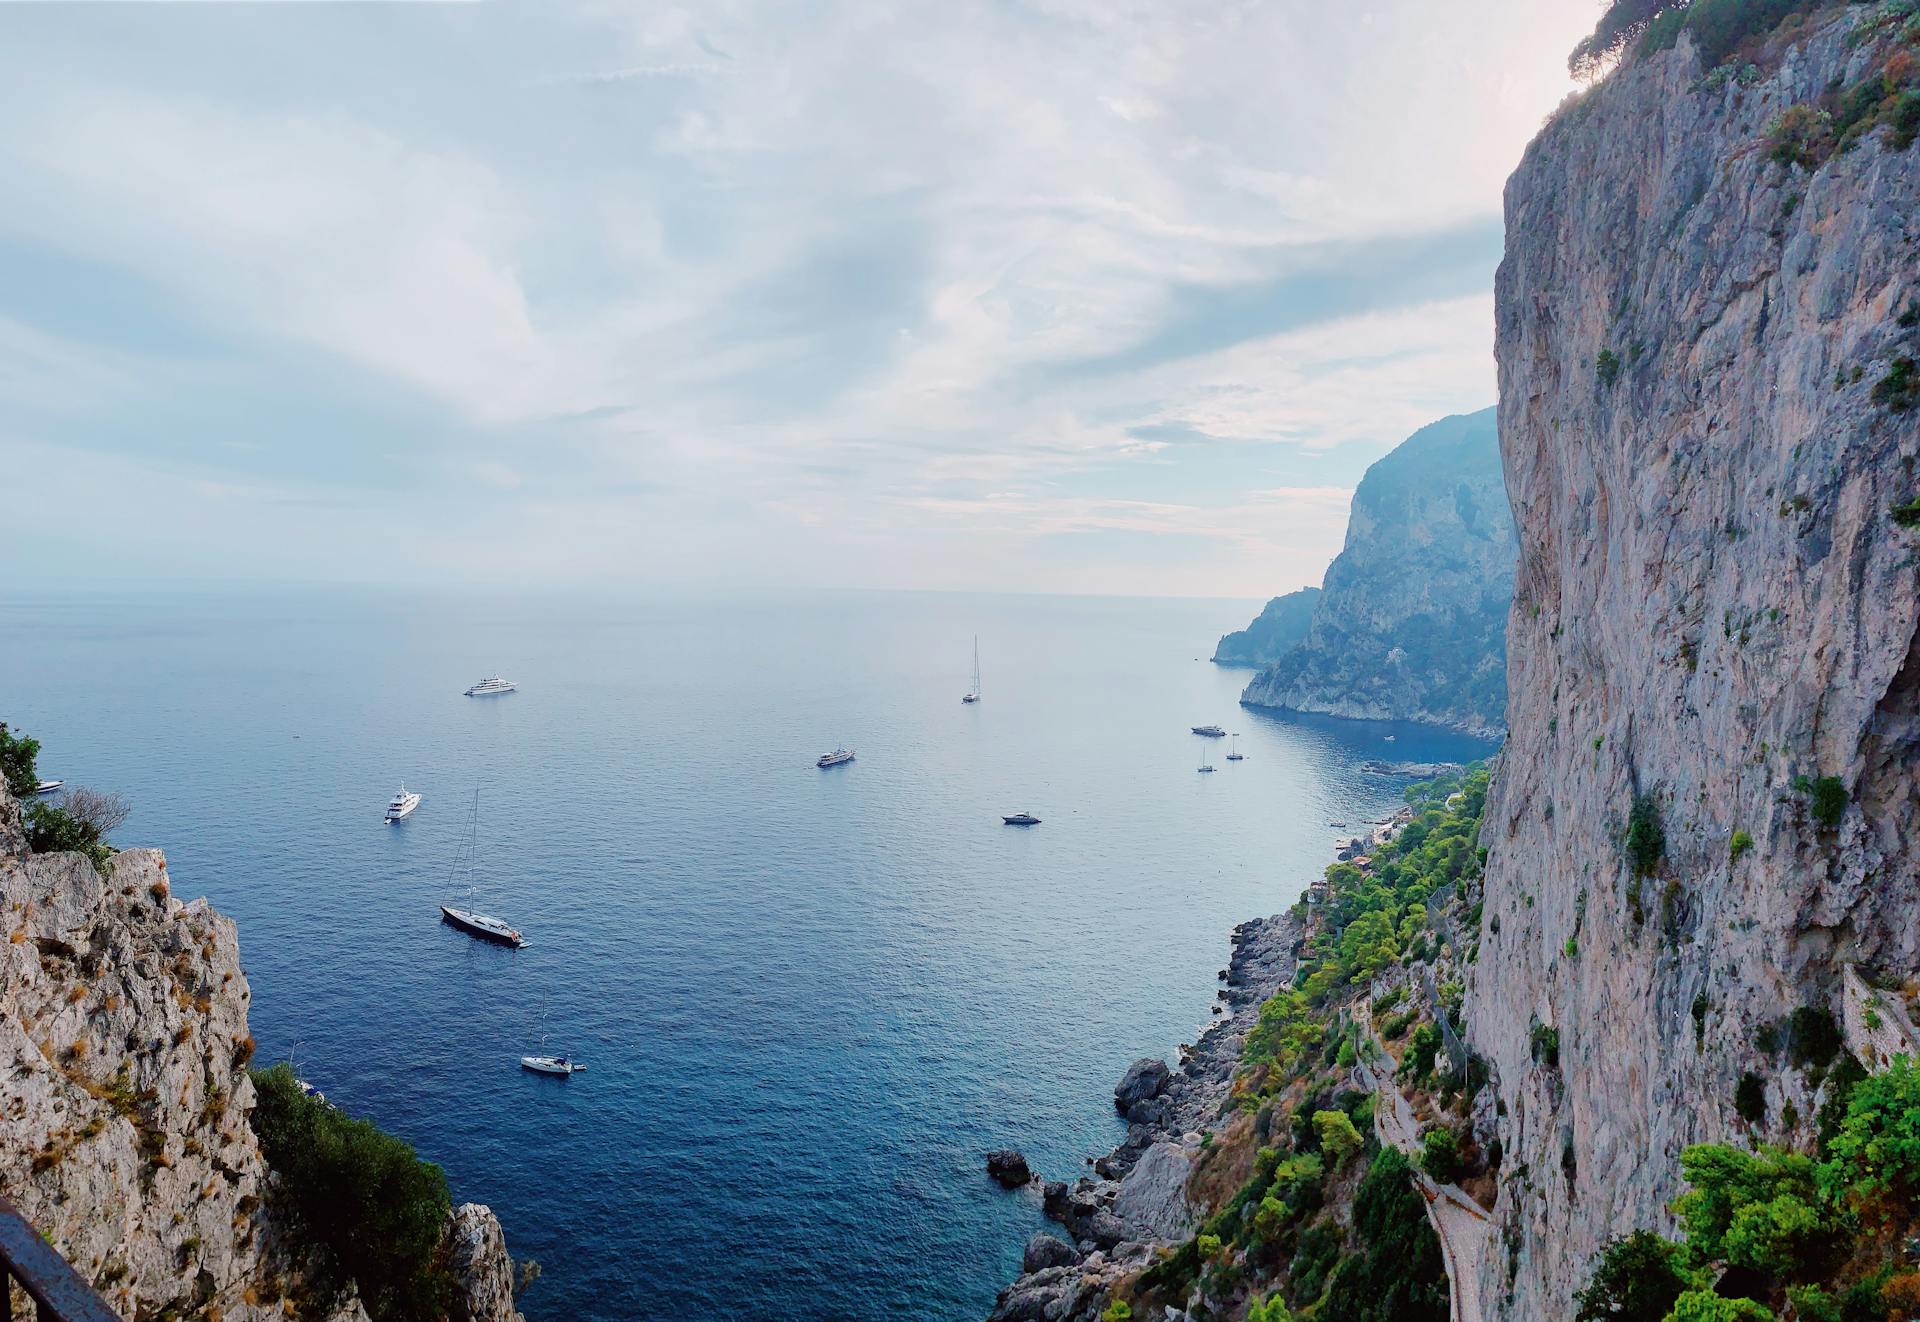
1411,625
1275,631
124,1135
1713,602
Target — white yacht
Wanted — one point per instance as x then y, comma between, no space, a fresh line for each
48,786
835,758
1210,731
973,694
490,686
403,803
551,1065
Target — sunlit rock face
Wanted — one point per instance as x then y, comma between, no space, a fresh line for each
1713,600
1412,622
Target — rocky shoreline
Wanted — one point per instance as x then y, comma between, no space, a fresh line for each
1136,1197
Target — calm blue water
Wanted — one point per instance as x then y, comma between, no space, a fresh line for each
811,999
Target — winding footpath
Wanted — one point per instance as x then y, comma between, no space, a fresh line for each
1463,1226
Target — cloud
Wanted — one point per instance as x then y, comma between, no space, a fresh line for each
732,291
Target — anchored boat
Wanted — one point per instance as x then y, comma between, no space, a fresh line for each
1210,731
471,921
835,758
488,687
1021,819
403,804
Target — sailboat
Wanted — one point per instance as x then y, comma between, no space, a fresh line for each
1234,754
973,694
484,926
543,1063
1204,764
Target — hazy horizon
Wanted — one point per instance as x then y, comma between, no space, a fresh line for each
1068,298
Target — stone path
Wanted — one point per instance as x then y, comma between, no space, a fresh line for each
1463,1226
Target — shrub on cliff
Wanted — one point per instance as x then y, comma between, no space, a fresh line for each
1718,28
1635,1279
17,754
1800,135
375,1212
1398,1276
1646,838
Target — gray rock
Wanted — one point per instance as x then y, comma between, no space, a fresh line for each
1145,1079
1044,1251
477,1256
1053,1198
1412,625
1009,1168
1153,1197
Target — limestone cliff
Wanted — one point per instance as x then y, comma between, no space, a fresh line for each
1715,610
1275,631
124,1134
1411,625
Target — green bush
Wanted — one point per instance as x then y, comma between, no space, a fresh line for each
376,1211
1398,1276
1440,1155
1546,1046
1706,1306
51,829
1899,389
1739,845
1606,366
1338,1138
1750,1098
1907,515
1646,838
1635,1279
1800,135
1826,798
17,754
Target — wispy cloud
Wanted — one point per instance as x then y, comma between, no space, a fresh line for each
735,291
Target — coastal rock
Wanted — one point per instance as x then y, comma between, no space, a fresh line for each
1714,599
1044,1251
1277,630
1009,1168
477,1256
1053,1198
124,1101
1145,1079
1412,624
1153,1196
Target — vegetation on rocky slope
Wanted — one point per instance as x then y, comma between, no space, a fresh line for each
1315,1217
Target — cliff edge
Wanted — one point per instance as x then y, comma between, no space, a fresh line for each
1706,809
124,1132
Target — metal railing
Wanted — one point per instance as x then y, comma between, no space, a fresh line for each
57,1291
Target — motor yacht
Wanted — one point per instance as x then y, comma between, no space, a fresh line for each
1210,731
1021,819
488,687
403,803
835,758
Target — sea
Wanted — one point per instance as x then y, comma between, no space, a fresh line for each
810,1000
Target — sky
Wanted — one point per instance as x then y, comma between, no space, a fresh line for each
1039,295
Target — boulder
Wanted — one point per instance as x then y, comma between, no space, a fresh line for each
1053,1198
1009,1168
1145,1080
1044,1251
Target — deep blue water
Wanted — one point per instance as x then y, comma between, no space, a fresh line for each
811,999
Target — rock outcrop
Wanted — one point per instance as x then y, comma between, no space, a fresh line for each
124,1133
1275,631
1412,622
1137,1197
1715,610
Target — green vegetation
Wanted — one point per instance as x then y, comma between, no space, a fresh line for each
17,754
1826,798
1440,1155
375,1210
1823,1235
1739,845
1546,1046
1635,1279
1750,1098
1800,135
1718,28
1338,1138
1646,838
1899,390
1815,1037
1400,1277
1907,515
1606,366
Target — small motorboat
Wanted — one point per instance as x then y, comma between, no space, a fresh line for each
484,926
1021,819
551,1065
835,758
403,803
1210,731
48,786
